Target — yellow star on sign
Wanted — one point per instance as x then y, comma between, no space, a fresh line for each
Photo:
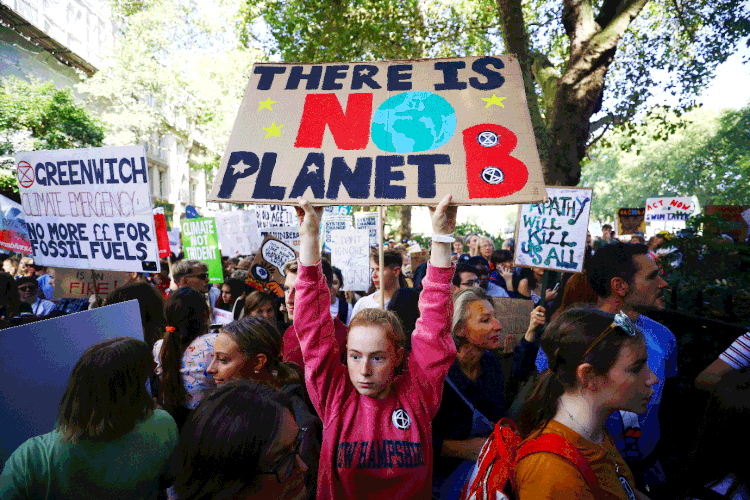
266,104
273,130
494,100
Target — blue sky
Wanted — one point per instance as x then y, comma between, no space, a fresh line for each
731,87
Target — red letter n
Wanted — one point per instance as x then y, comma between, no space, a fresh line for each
350,130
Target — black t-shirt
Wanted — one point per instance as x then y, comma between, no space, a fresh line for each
454,418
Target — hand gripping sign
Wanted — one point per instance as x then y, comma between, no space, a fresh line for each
383,133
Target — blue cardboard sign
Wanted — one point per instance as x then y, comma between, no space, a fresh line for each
38,359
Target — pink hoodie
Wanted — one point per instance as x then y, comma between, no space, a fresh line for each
376,448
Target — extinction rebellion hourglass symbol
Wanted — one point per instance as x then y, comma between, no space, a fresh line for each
490,170
25,174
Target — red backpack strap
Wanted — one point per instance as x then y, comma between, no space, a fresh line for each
495,464
554,443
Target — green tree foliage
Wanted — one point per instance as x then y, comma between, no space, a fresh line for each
175,68
335,31
467,228
707,155
708,280
37,116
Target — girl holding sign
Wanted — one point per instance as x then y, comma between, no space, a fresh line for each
377,438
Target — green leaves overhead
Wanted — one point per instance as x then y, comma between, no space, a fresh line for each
708,155
307,31
176,67
37,116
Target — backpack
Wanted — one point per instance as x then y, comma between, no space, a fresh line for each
493,477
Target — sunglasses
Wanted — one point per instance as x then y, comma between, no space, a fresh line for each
26,288
623,322
203,276
284,467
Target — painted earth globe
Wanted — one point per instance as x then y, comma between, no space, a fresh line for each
411,122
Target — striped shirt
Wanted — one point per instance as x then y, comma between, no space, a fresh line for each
737,355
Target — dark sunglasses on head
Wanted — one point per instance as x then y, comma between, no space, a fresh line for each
623,322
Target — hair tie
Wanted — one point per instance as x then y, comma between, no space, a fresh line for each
171,329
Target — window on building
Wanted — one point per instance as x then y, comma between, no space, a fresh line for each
162,179
193,192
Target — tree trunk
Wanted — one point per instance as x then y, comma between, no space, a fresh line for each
513,28
404,231
576,94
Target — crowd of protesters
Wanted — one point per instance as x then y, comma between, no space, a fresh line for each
390,392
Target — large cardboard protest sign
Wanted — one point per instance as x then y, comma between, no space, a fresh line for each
513,314
38,359
83,283
238,232
735,226
383,133
369,221
350,252
13,234
670,209
630,220
199,242
552,234
89,208
267,268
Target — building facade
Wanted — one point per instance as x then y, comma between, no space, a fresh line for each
65,41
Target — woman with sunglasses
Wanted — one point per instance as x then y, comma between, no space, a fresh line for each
250,349
598,364
241,442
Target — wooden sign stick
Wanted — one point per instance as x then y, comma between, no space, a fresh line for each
381,255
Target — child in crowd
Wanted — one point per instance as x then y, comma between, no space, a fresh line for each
377,439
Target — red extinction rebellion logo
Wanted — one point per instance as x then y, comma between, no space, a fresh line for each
25,174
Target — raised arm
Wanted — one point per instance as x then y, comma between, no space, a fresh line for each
326,378
433,349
